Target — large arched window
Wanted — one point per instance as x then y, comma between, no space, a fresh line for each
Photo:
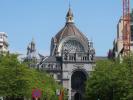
73,46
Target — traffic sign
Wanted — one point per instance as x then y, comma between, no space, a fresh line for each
36,93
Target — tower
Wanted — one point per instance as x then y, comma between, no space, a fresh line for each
32,57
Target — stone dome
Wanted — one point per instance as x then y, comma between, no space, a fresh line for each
69,29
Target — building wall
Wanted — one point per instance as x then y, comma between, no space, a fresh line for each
68,68
118,44
3,42
120,36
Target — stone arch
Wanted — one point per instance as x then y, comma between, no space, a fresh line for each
78,78
77,96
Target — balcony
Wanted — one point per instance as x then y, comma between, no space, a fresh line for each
78,57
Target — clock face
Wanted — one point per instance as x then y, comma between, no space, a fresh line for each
73,46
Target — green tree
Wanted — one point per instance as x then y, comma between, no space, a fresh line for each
17,80
13,77
110,81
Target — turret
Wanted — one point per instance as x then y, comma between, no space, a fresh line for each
69,16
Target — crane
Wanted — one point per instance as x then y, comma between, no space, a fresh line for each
126,27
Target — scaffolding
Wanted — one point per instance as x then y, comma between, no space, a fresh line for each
126,27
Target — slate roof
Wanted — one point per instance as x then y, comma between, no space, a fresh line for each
52,59
69,30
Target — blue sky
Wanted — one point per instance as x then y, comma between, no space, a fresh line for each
42,19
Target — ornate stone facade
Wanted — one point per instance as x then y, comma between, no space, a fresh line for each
71,59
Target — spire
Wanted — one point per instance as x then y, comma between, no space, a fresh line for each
33,49
33,42
28,49
69,16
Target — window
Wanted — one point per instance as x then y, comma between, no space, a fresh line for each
1,36
73,46
58,76
132,33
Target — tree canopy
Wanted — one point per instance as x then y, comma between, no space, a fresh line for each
111,80
17,80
